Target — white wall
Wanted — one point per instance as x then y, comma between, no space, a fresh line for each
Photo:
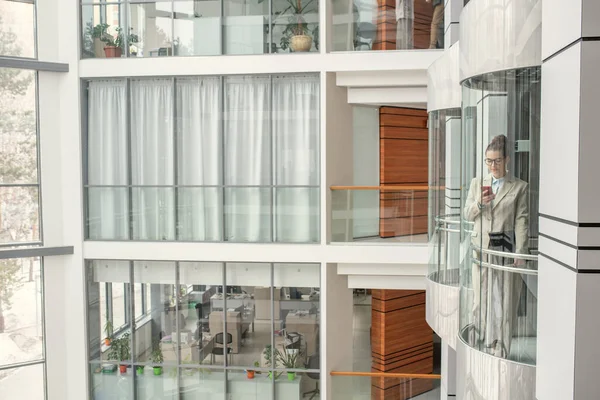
366,170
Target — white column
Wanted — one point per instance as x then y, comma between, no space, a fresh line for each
448,383
569,277
60,157
337,305
452,10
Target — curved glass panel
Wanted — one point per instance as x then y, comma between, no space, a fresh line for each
499,204
444,195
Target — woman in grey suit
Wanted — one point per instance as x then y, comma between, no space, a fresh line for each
498,206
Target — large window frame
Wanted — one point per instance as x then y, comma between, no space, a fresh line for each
273,188
96,359
275,19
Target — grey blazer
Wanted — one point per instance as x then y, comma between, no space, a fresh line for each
508,212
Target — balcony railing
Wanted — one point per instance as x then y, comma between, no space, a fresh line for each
393,214
368,385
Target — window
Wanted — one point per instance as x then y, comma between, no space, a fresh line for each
266,315
131,28
17,28
21,329
204,159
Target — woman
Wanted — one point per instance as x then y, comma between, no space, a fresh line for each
498,208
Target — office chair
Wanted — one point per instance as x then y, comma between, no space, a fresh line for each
222,351
365,35
313,363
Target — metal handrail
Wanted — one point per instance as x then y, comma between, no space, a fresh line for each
528,257
385,375
448,230
523,271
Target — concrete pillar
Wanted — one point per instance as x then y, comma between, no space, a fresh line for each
448,383
569,265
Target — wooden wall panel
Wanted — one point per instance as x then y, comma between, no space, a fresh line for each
423,16
401,341
403,160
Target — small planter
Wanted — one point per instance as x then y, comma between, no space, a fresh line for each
113,52
123,369
140,370
291,376
250,374
107,342
300,43
157,370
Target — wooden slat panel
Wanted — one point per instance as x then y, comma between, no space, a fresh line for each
403,121
403,161
412,298
402,341
422,25
402,226
403,208
400,132
403,111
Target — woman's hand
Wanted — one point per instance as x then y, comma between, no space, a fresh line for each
487,199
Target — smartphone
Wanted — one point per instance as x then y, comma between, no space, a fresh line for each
486,191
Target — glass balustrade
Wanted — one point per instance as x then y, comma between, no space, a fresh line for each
366,386
383,214
360,25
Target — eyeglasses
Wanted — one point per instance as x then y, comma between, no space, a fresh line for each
496,161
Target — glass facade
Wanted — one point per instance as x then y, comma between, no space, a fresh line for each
133,28
444,196
17,28
499,202
388,25
22,329
203,159
256,339
19,181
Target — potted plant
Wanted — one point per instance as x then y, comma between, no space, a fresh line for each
250,372
108,329
296,33
140,369
156,357
120,350
289,361
113,43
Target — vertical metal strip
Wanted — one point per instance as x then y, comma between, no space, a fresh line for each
272,330
224,292
270,43
129,155
173,28
177,328
126,24
132,325
273,160
175,162
223,153
38,161
221,27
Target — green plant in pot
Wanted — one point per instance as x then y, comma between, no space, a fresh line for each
296,34
140,369
108,329
156,357
113,42
120,350
289,359
271,358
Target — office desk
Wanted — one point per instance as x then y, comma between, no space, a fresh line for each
194,385
298,304
307,326
233,301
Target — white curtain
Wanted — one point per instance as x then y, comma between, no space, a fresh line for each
107,160
296,154
247,159
152,102
200,210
